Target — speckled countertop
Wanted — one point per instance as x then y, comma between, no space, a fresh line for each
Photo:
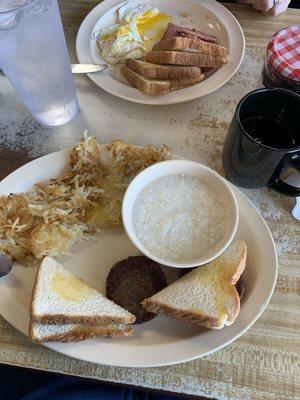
262,364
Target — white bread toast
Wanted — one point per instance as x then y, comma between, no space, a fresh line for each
191,45
156,87
74,332
185,58
205,296
60,298
156,71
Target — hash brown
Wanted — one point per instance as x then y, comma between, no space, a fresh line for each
87,196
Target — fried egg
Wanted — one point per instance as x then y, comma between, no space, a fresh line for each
139,27
133,12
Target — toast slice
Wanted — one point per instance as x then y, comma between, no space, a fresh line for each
192,45
185,58
205,296
60,298
157,87
74,332
155,71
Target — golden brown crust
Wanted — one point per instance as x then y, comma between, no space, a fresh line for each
236,276
78,334
188,44
34,290
177,84
185,58
231,317
145,85
195,318
158,87
62,319
30,330
240,269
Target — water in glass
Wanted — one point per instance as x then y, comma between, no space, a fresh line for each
34,57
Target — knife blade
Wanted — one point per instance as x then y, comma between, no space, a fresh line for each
87,68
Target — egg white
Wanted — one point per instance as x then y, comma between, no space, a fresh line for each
132,11
128,37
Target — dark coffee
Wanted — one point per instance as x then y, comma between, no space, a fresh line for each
263,139
268,131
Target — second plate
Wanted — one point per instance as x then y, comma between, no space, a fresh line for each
207,15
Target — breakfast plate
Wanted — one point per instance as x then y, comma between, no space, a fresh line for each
206,15
161,341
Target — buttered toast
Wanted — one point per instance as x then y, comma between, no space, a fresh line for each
59,297
205,296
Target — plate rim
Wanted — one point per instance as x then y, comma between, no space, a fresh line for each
169,98
62,154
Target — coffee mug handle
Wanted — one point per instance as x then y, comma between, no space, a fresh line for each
279,185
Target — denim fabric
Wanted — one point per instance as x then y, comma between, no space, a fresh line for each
20,384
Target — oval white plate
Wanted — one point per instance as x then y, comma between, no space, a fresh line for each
162,341
206,15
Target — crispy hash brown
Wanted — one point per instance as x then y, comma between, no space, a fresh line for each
87,196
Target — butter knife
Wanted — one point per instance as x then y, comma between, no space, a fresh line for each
87,68
84,68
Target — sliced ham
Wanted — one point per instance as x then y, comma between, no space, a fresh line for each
176,31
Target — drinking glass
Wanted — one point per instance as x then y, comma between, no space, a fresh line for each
34,57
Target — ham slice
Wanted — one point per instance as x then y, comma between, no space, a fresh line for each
177,31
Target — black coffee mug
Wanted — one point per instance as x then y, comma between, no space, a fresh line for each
263,139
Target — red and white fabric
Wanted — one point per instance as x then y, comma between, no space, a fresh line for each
283,53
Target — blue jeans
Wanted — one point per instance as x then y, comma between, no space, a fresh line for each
21,384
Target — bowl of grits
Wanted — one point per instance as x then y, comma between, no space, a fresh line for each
180,213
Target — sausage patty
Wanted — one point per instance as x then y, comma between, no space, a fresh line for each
132,280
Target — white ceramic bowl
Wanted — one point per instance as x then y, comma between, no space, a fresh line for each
206,175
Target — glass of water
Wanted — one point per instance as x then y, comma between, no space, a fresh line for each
34,57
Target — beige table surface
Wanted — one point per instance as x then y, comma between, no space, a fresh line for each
263,363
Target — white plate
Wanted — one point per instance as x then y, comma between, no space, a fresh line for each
162,341
206,15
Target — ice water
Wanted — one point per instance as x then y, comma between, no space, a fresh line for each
34,57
